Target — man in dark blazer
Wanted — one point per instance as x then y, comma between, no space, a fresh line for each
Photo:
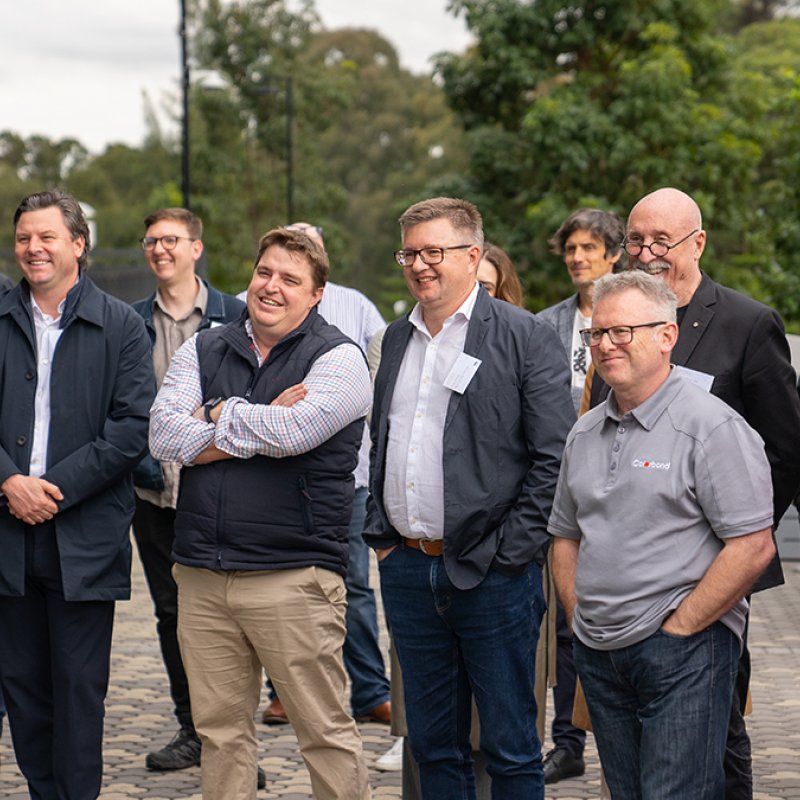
471,411
734,347
75,392
181,305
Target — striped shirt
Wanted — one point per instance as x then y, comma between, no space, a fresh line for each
356,316
339,392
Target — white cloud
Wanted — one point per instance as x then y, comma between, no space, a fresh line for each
79,69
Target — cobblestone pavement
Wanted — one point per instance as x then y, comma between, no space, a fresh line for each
139,717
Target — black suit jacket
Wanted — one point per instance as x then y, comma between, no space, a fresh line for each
742,343
503,440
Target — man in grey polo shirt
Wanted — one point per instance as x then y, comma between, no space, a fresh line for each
661,524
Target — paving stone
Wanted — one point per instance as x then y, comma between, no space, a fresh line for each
139,717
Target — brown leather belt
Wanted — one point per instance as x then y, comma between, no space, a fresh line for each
431,547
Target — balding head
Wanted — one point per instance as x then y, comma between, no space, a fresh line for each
313,231
670,217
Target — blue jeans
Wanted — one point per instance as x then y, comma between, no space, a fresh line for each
660,711
451,644
362,656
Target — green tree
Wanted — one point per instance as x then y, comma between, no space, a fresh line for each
368,137
597,104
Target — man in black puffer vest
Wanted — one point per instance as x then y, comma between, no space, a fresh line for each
266,415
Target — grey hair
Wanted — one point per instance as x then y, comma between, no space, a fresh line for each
71,212
654,289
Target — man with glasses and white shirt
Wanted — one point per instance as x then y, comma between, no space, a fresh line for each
735,348
472,406
662,523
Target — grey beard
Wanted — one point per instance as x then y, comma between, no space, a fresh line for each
653,268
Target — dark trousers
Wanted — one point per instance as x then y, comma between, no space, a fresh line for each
54,667
565,734
738,757
154,531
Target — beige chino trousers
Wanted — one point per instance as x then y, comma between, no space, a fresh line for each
291,622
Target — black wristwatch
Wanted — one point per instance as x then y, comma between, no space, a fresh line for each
209,406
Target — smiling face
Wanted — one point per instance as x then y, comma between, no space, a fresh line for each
172,267
586,258
280,294
440,288
46,253
635,370
668,215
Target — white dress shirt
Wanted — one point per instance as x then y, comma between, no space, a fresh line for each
48,332
413,491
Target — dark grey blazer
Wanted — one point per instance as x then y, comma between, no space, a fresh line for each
503,440
562,317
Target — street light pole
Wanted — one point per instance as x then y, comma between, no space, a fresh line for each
185,170
289,153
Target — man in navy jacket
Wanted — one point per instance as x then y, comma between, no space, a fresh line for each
472,406
181,305
75,392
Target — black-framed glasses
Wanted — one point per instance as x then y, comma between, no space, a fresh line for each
619,334
167,242
429,255
658,249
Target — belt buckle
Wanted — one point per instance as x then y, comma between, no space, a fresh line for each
424,542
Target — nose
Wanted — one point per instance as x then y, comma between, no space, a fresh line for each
646,256
416,263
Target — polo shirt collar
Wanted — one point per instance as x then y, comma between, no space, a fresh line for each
648,413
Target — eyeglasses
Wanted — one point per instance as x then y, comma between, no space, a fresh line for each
658,249
167,242
619,334
429,255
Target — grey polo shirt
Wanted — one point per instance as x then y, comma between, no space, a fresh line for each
650,495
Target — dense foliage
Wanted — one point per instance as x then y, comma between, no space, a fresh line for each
555,106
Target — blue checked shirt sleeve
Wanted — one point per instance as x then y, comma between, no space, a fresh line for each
339,392
175,435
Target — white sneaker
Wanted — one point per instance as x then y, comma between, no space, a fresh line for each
392,759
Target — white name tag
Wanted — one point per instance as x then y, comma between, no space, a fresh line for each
461,373
701,379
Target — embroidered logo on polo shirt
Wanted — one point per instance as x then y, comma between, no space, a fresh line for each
640,464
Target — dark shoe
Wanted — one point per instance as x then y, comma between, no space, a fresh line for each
381,713
261,780
274,714
560,764
182,752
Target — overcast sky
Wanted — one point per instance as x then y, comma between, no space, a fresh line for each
81,68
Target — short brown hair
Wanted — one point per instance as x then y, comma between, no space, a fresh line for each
461,214
71,213
192,222
297,242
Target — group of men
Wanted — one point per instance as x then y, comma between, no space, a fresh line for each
661,512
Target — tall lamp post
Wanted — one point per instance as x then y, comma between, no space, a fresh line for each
185,184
